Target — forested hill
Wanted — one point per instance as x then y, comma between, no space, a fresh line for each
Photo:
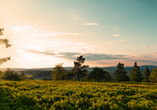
109,69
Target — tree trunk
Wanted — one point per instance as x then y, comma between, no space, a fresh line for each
78,77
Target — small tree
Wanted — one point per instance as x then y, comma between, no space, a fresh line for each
153,76
120,73
59,73
99,74
79,69
6,43
146,75
135,74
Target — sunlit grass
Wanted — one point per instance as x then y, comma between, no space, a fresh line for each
73,95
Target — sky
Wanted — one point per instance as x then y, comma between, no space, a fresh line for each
44,33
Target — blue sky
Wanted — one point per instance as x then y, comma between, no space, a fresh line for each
47,32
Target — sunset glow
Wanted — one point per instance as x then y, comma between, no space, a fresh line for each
44,33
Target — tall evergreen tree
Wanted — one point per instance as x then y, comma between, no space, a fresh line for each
6,43
146,75
79,69
135,74
120,73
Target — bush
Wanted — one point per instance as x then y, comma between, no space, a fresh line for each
11,75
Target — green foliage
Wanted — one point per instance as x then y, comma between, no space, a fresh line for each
6,43
79,69
146,75
1,74
10,74
120,73
41,73
22,74
153,76
70,74
135,74
74,95
99,74
59,73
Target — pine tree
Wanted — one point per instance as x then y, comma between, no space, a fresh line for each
79,69
120,73
135,74
146,75
6,43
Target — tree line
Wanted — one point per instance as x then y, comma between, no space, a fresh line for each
79,72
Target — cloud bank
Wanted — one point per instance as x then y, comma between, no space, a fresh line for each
143,58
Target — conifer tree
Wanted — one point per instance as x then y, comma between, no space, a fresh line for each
120,73
6,43
135,74
79,69
146,75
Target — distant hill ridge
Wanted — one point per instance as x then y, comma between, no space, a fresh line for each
68,68
109,69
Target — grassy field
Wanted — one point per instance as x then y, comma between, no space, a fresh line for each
73,95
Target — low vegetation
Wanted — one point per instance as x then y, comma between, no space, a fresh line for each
73,95
11,75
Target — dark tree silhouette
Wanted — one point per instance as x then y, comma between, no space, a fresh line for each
146,75
135,74
120,73
10,74
79,69
100,75
6,43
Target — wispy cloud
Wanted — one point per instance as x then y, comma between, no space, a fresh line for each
91,24
73,55
109,42
145,47
57,33
38,31
116,35
142,58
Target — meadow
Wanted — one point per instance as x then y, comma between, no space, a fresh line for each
74,95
